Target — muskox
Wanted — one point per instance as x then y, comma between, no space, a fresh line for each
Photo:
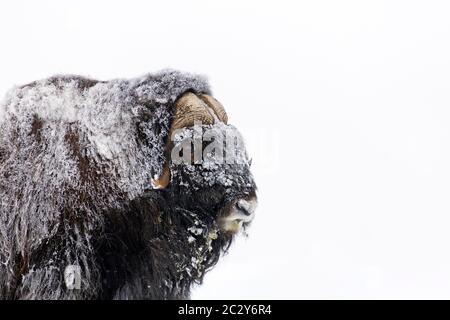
95,203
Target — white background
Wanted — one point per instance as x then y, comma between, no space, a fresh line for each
345,106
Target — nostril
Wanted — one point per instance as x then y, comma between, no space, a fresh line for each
242,212
246,207
242,209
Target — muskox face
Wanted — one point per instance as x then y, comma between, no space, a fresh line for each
208,169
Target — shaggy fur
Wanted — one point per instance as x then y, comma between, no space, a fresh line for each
76,160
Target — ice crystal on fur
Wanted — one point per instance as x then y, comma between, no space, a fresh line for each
76,160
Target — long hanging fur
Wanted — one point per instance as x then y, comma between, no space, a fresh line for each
76,160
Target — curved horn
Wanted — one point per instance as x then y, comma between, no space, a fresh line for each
190,108
216,106
163,180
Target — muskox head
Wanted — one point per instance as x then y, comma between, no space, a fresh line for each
207,170
203,197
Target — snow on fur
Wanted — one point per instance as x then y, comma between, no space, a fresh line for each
76,160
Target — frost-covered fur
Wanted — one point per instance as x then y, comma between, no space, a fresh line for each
76,160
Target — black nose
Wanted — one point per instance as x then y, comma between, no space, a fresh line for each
244,207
